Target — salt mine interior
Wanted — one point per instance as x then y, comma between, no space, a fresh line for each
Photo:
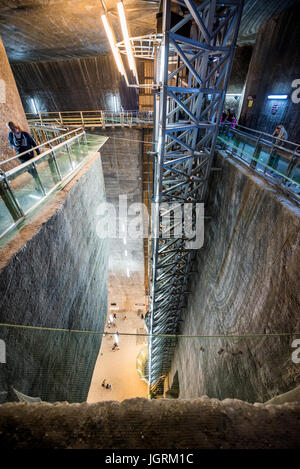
149,224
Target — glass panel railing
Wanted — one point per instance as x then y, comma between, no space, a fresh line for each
48,172
64,160
24,187
25,184
6,219
92,118
270,158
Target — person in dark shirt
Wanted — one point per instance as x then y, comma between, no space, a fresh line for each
21,141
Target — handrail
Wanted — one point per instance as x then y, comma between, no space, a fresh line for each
269,135
267,142
42,155
264,156
39,146
41,126
93,110
95,118
48,172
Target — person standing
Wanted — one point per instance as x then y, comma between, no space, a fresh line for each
280,133
21,142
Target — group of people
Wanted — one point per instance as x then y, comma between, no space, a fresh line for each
106,385
228,117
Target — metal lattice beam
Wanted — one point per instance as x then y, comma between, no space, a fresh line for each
193,70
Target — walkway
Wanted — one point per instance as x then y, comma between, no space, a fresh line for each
98,118
279,162
119,367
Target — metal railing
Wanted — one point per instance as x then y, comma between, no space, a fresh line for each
42,133
274,158
26,186
96,118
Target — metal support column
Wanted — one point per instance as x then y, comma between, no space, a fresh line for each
193,68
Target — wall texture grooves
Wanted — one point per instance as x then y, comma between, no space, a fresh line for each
84,84
57,279
247,283
274,65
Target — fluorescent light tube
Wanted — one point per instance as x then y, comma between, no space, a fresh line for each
112,43
124,28
277,96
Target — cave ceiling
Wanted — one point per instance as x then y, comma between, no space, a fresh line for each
41,30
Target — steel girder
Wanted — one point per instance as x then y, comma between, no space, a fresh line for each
193,67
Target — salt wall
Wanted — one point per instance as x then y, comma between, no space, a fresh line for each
54,274
247,282
275,64
76,84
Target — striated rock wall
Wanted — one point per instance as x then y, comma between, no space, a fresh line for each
275,64
247,283
84,84
142,424
54,274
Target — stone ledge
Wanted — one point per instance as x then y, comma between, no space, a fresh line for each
144,424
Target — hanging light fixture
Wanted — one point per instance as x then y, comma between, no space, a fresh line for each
112,42
122,17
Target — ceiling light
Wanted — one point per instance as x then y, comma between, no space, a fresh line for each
130,57
112,43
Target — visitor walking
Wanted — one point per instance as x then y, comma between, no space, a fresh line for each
21,142
280,133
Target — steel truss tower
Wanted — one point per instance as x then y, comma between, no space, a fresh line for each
193,66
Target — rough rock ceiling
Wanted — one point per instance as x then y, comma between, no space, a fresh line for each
34,30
